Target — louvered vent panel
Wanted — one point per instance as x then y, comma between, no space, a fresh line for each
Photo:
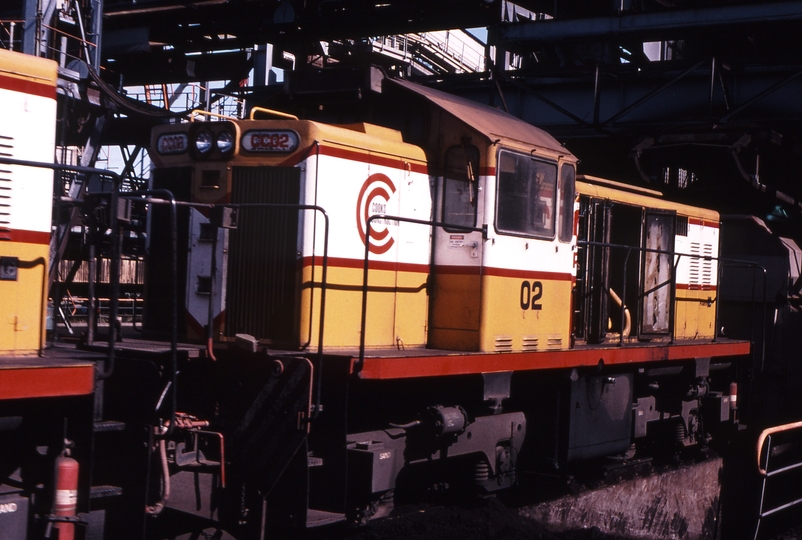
530,343
6,191
694,264
701,270
262,289
554,343
682,226
503,343
707,265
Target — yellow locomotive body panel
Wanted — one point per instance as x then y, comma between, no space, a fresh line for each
351,172
27,132
456,312
23,312
544,324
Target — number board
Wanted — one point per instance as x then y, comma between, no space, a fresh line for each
270,141
172,143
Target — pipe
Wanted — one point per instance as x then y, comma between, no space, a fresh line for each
174,286
210,314
155,509
207,113
145,196
116,255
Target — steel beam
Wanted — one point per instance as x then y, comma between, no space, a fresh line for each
652,24
30,15
664,97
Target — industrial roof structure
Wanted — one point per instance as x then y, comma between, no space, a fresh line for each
699,98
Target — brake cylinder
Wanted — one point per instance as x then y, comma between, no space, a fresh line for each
442,421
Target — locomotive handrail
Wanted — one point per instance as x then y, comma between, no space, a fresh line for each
671,281
114,277
207,113
323,281
323,277
368,222
766,435
143,195
735,263
363,321
280,114
764,440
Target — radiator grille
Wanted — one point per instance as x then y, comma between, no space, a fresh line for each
263,273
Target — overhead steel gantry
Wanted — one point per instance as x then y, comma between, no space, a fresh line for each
730,64
635,87
712,86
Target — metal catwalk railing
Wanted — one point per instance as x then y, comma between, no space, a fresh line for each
792,438
447,51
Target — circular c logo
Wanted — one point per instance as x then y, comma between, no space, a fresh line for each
373,199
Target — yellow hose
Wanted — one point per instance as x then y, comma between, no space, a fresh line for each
627,317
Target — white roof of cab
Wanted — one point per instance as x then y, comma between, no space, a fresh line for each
492,123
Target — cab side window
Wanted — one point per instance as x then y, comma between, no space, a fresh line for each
525,202
460,185
567,182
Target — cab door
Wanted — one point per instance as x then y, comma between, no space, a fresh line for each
658,271
455,286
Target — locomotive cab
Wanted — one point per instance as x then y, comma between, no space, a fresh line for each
500,285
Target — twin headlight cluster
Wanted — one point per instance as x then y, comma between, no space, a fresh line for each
207,140
204,142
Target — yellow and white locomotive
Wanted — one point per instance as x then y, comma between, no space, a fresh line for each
367,311
448,299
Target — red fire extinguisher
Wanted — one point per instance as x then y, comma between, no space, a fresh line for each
66,498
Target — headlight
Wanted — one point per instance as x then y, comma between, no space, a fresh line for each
225,142
203,142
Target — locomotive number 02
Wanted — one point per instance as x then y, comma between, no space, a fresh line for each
531,293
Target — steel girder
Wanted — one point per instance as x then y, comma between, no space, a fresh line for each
655,25
664,97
